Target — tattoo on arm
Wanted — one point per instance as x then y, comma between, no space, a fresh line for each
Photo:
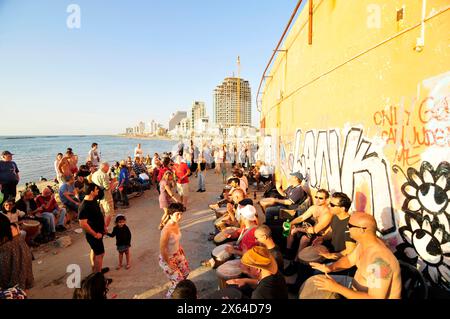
380,269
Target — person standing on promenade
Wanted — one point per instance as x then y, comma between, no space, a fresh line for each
124,179
166,196
201,175
172,258
9,176
92,221
59,176
93,155
182,173
65,166
102,180
138,152
73,161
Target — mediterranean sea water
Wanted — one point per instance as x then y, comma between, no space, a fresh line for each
35,155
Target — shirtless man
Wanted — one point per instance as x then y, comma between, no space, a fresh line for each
378,271
64,166
319,213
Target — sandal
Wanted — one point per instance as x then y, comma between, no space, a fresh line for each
207,263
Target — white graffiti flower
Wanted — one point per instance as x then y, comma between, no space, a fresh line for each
429,246
428,192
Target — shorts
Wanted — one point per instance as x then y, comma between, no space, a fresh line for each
107,204
183,189
96,245
123,248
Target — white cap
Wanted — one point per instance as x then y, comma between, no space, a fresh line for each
248,212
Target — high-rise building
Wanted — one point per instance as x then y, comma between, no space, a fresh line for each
141,128
176,118
198,112
226,102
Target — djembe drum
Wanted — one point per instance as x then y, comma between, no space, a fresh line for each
309,290
229,270
222,238
32,228
220,255
312,254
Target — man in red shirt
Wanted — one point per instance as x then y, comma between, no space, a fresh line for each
182,172
47,202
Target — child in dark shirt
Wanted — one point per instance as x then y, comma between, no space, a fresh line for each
123,240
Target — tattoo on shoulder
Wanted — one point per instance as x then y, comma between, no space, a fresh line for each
380,269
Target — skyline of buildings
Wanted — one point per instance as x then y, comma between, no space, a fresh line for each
225,122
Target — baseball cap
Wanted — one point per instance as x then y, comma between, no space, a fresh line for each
248,212
298,175
4,153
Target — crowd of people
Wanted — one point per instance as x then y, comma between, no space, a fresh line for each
259,243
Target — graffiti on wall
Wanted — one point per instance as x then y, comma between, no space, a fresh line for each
321,157
424,122
427,220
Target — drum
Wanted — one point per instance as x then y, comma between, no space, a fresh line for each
226,293
220,255
229,270
311,254
309,291
221,238
32,228
220,211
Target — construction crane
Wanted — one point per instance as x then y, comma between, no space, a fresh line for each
238,110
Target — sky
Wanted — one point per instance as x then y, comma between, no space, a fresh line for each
129,61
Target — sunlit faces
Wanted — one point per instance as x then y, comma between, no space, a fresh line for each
320,199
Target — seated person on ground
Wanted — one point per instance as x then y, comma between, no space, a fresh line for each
270,283
336,238
47,202
27,204
233,183
318,216
293,196
246,235
232,216
68,194
378,271
185,289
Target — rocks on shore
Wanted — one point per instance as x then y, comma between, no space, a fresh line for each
63,242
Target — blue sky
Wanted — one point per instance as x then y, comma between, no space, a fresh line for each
130,60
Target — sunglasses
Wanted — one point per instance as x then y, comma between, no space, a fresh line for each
317,197
334,205
354,226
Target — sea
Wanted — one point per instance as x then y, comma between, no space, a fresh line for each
35,155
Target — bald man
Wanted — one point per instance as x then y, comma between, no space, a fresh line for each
378,271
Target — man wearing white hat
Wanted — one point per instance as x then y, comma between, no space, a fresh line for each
246,238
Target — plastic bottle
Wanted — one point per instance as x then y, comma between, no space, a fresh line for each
286,228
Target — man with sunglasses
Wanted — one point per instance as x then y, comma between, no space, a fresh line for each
318,215
340,243
378,271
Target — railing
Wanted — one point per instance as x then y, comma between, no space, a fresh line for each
275,51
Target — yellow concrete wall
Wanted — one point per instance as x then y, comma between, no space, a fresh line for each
360,106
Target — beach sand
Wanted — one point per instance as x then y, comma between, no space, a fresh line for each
145,279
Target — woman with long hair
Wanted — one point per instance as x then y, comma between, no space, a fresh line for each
166,195
172,258
94,286
15,257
